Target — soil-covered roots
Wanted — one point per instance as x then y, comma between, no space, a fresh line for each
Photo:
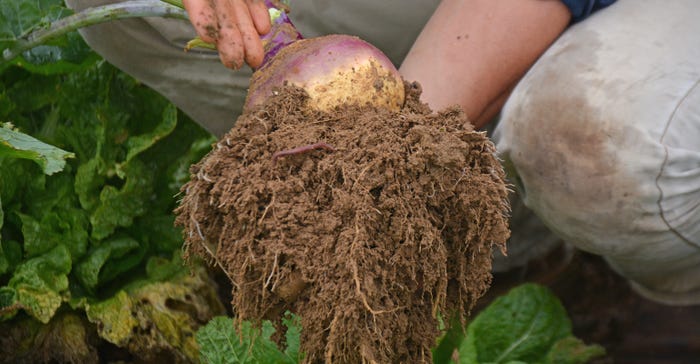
364,222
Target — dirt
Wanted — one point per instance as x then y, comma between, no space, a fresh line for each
367,236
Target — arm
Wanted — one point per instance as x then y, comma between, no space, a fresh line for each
477,50
234,26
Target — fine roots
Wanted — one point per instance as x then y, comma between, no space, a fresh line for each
375,226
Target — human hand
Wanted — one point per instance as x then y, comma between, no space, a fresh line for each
234,26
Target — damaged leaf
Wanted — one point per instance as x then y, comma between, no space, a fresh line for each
14,144
150,318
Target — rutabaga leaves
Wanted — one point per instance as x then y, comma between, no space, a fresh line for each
221,343
528,325
14,144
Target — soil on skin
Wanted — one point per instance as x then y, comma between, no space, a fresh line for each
366,242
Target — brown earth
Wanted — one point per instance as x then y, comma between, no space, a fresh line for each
366,237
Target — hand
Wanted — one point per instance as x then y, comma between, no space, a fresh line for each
234,26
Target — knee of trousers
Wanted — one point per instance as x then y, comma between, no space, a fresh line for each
601,140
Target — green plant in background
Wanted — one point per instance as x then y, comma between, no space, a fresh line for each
527,325
221,343
91,162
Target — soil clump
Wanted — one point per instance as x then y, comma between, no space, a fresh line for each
380,221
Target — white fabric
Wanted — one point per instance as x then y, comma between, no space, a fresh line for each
603,136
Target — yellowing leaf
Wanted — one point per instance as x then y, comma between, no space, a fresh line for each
156,317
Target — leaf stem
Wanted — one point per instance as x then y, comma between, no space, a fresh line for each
96,15
283,32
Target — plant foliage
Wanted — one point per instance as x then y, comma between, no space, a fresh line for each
18,18
527,325
91,162
222,342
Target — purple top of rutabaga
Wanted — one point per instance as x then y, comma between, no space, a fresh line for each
282,32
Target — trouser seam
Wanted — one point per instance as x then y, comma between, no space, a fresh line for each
673,230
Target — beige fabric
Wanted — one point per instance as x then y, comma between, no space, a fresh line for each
603,137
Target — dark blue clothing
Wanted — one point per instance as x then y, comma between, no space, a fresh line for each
580,9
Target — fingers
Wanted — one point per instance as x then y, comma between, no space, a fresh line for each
252,46
203,19
234,26
230,43
260,15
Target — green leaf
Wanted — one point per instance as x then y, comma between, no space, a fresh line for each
25,93
40,283
160,231
52,216
9,303
159,269
20,17
293,337
220,342
521,326
4,263
138,144
14,144
122,252
64,54
449,341
119,206
54,228
37,240
88,182
11,253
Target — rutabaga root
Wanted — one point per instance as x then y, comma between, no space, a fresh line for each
366,245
